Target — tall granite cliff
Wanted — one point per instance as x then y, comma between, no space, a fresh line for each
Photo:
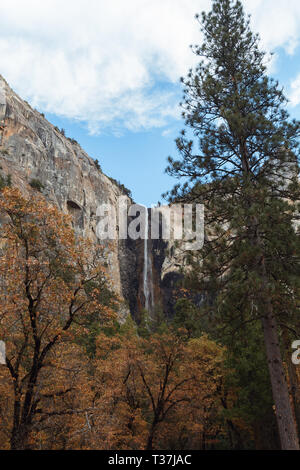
32,149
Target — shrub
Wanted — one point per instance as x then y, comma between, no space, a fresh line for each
5,181
122,188
36,184
97,165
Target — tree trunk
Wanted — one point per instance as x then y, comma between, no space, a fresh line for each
284,415
151,436
203,441
21,424
150,441
19,438
294,390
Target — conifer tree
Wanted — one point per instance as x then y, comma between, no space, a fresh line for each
239,156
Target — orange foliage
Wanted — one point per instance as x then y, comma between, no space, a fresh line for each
162,392
49,281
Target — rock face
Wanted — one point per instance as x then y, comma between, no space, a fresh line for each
33,150
35,153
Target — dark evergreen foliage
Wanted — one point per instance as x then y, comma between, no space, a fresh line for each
239,156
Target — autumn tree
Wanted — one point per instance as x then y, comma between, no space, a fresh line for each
50,282
165,377
196,421
239,155
118,418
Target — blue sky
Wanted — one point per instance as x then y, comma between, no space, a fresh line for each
108,73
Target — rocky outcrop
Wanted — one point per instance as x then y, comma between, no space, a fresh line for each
36,153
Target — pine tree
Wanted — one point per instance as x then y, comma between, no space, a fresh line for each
245,172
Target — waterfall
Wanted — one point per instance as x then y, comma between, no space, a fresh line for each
148,274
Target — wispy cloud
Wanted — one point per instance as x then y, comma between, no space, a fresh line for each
294,95
104,63
277,21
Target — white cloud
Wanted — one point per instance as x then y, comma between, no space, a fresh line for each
104,63
96,61
277,21
294,96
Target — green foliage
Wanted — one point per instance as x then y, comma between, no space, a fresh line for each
144,325
122,188
63,133
128,328
239,155
248,375
5,181
187,317
62,271
235,113
97,165
93,325
36,184
158,323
